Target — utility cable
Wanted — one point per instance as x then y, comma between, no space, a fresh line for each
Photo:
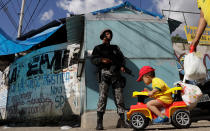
15,10
140,4
3,5
28,8
39,11
18,4
42,7
17,13
27,11
169,8
31,16
9,15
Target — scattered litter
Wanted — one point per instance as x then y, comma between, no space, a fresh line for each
6,127
65,127
202,121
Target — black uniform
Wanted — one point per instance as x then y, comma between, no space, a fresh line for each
109,74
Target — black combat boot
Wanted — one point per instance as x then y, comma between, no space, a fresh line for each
100,121
121,122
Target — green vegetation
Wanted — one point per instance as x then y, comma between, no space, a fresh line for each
178,39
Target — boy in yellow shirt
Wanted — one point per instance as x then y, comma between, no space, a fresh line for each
147,74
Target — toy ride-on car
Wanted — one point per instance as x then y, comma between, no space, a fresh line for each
139,116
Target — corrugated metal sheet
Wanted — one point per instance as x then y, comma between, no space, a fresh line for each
143,43
75,29
125,17
136,39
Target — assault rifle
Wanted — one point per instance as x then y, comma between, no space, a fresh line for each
128,71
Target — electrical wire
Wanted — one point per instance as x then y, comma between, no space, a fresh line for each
4,7
28,8
15,10
169,8
42,7
170,13
18,4
31,16
39,11
27,11
140,4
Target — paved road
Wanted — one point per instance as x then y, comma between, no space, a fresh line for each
198,126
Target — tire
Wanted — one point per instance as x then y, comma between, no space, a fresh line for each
181,119
138,121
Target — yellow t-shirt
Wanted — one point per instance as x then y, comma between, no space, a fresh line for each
159,84
204,5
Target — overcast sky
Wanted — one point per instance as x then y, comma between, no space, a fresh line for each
48,10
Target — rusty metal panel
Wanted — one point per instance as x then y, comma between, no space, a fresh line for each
75,29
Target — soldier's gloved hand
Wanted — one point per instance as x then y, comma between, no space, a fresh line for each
122,69
106,60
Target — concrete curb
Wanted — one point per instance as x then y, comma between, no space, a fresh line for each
89,119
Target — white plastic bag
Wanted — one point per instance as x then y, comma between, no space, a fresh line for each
191,95
194,68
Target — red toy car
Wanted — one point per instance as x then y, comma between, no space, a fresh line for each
139,116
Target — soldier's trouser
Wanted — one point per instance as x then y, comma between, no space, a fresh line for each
117,91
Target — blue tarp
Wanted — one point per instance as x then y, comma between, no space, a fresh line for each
9,46
129,5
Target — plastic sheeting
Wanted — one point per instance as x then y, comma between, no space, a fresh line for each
129,5
9,46
173,24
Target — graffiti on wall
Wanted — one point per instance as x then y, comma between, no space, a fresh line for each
42,82
3,92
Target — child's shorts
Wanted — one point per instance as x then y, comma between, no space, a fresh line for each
162,103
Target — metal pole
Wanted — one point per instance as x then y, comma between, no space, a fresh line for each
181,11
184,19
21,18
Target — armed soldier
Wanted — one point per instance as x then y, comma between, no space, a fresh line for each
110,62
